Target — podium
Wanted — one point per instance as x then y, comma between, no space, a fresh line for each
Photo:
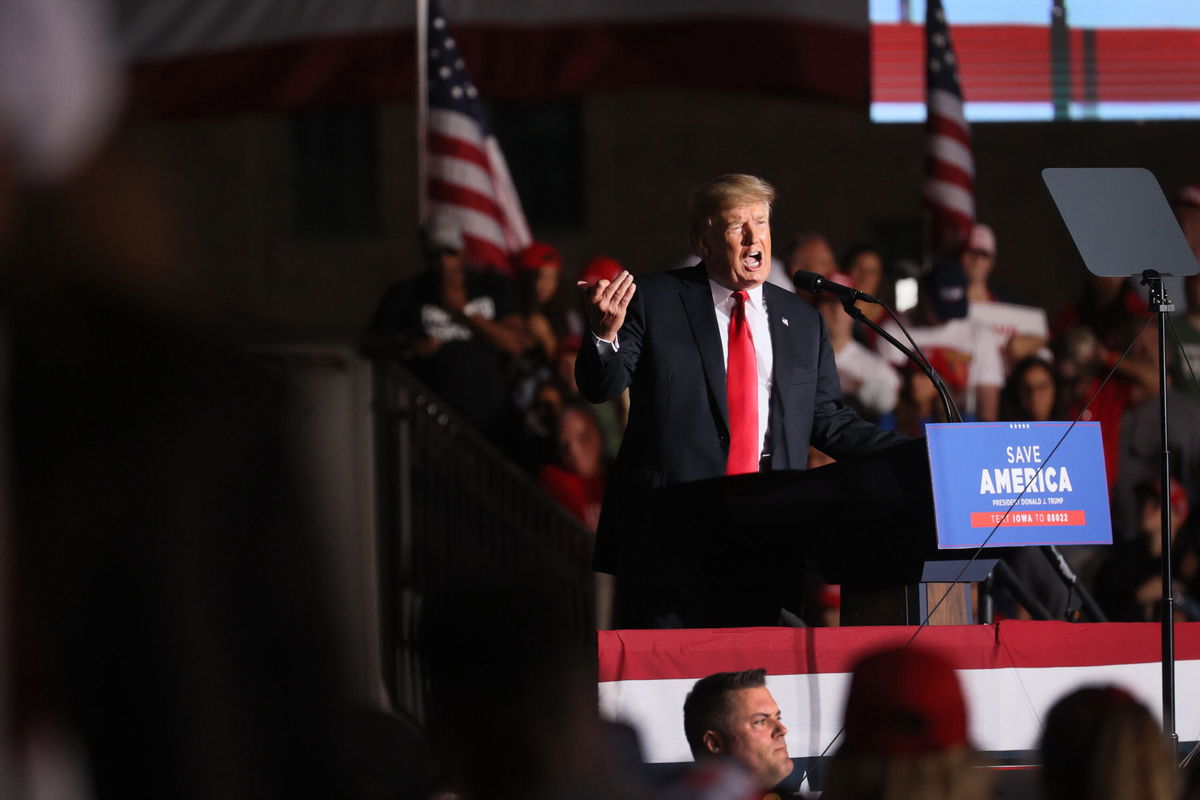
730,551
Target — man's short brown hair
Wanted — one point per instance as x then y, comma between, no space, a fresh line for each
721,194
707,706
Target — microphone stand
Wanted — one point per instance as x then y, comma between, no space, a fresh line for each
1068,576
948,406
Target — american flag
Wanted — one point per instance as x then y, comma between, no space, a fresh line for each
468,177
949,190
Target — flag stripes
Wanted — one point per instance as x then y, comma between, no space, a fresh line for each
468,178
949,190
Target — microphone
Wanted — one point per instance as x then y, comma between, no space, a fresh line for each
812,282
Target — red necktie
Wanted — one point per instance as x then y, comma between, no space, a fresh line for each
741,383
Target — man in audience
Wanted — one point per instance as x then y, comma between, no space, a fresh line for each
733,715
869,382
1139,457
1022,330
970,351
1129,583
455,328
810,252
1083,365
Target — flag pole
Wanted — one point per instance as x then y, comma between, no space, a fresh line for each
422,109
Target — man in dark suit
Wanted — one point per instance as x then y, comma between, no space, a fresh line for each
667,337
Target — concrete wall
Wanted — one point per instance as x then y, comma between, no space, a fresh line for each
643,153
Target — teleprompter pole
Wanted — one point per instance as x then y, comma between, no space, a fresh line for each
1162,305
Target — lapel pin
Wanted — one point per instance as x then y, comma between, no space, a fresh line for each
785,322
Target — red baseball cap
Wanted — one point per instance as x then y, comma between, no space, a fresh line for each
903,702
538,255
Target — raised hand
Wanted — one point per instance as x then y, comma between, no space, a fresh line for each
605,302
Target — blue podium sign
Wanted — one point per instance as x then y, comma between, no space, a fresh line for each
1007,481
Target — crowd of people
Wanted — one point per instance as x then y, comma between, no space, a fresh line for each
502,351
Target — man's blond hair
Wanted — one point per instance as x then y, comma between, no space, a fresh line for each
722,194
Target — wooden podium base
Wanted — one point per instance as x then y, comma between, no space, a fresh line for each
908,605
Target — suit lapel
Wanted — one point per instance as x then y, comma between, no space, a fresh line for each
782,344
698,305
783,350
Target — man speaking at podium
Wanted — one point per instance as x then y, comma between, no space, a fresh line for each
727,375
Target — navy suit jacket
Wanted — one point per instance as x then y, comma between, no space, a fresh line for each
670,358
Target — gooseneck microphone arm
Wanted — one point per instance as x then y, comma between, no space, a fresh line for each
817,284
917,357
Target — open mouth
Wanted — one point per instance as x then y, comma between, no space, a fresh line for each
753,260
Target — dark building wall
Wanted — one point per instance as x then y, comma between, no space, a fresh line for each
642,153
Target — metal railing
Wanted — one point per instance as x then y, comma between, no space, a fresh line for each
452,508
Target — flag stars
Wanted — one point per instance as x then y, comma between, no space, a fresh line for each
449,43
439,22
471,92
459,64
445,72
939,39
456,92
935,65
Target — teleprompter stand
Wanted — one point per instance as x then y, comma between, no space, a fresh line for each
1123,227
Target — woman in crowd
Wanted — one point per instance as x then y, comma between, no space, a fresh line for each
539,269
864,266
918,402
1101,743
577,480
1031,393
